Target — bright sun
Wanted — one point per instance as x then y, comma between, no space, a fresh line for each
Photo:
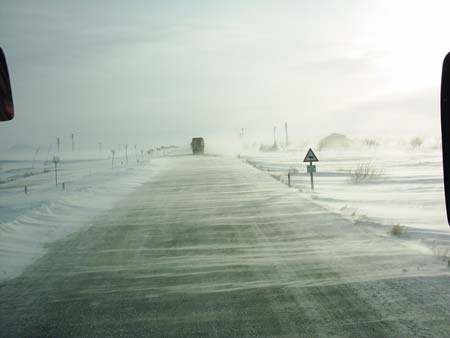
411,39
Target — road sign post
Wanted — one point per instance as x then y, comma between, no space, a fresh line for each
311,169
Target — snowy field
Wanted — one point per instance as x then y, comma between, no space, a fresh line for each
46,213
209,246
406,190
406,187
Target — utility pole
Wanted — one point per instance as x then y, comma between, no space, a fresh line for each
58,143
73,142
113,153
286,133
99,147
274,137
55,161
126,152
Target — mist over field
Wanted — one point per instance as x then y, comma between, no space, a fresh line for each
159,73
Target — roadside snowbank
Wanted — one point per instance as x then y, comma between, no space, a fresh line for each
407,191
47,213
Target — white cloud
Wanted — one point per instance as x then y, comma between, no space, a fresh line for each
155,69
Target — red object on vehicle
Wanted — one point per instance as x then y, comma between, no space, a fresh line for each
6,100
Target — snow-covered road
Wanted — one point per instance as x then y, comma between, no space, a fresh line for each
212,247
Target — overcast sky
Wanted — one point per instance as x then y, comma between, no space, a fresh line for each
159,72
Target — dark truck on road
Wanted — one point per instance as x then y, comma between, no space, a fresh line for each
198,145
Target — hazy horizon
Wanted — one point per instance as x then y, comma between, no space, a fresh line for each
160,73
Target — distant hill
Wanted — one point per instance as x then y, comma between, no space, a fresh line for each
335,141
20,148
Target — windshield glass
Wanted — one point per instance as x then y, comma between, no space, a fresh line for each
223,169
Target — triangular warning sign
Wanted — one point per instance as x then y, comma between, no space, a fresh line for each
310,156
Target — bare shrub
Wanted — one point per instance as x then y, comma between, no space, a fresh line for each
440,251
365,172
416,142
370,142
397,230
